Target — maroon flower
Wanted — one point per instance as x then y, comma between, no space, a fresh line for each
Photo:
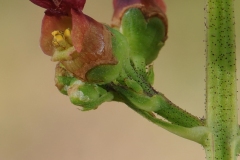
149,8
57,17
88,44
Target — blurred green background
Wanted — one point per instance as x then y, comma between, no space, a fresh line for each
39,123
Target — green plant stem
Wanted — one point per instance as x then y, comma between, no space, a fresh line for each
197,134
166,109
176,115
221,100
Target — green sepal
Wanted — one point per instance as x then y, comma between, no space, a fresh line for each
145,36
65,82
143,101
140,100
139,66
133,85
103,74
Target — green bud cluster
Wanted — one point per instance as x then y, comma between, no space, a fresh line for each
134,47
84,94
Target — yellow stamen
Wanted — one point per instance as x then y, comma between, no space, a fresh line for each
67,35
63,45
61,40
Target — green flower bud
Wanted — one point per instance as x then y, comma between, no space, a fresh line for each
89,96
145,36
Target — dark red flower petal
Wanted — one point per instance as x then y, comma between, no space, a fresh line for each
92,40
50,24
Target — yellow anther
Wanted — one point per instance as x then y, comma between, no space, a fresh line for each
63,45
61,40
67,35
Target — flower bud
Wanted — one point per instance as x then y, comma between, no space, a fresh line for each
87,95
144,24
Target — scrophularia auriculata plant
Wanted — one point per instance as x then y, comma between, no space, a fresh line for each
99,62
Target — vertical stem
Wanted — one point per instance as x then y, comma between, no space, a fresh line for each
221,100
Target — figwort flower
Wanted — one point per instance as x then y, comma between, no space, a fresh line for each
76,40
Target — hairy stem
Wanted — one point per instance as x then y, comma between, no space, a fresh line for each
221,100
176,115
197,134
166,108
